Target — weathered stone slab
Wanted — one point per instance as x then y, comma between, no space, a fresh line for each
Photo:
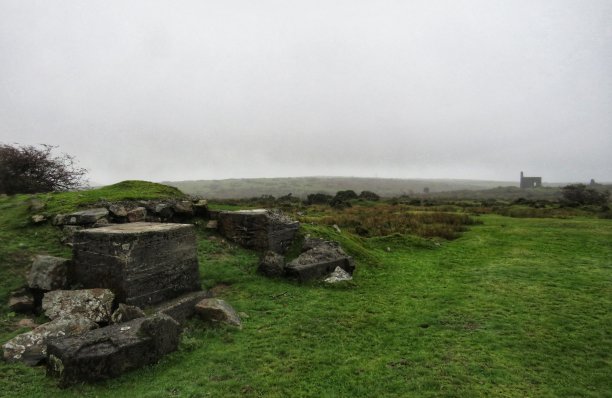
48,273
142,263
258,229
217,310
94,304
113,350
319,261
183,307
30,348
86,217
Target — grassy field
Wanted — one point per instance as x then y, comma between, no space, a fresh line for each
515,307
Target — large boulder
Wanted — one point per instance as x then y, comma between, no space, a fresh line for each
258,229
319,261
30,348
217,310
94,304
113,350
142,263
48,273
272,264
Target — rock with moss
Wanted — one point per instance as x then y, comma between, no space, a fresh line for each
30,348
113,350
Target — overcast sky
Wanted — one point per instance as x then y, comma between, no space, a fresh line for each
176,90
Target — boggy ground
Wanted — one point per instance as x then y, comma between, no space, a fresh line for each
514,307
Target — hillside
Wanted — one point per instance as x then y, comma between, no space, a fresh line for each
513,307
302,186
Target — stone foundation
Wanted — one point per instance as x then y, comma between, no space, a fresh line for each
142,263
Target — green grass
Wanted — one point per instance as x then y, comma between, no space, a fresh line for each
513,308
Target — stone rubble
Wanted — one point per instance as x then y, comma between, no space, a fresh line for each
94,304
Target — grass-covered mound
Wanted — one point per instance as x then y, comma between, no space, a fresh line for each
514,307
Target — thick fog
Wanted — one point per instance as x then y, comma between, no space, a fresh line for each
176,90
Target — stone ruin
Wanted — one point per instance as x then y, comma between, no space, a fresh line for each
319,258
258,229
122,265
142,263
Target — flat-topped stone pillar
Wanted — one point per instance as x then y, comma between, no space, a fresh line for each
142,263
258,229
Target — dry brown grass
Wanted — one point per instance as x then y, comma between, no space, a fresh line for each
389,219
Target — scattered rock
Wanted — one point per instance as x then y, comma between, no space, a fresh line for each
142,263
319,261
30,348
217,310
258,229
125,313
111,351
137,215
38,219
94,304
118,211
181,308
183,208
164,210
339,275
212,224
21,301
48,273
272,264
86,217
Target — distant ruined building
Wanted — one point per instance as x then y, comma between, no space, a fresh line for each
530,182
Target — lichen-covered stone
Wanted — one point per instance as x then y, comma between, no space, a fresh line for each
113,350
30,348
339,275
48,273
319,261
258,229
94,304
86,217
217,310
142,263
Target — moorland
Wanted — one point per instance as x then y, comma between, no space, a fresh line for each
452,297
